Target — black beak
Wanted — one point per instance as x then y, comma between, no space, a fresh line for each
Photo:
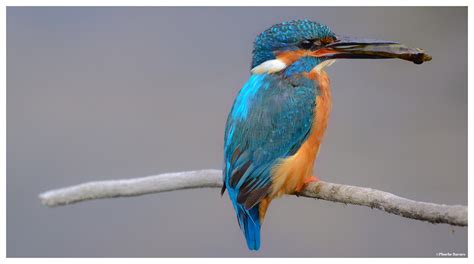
351,48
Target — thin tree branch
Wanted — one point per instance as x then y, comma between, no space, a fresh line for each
434,213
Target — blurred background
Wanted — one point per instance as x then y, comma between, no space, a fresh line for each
105,93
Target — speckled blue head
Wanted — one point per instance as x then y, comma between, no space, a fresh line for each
286,36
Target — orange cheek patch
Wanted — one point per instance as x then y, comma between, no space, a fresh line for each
289,57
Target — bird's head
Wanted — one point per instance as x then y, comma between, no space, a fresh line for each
302,45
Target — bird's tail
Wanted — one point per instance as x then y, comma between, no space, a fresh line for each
250,224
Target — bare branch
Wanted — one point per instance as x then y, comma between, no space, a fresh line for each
390,203
132,187
434,213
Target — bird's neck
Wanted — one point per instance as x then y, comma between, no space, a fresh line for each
321,79
301,65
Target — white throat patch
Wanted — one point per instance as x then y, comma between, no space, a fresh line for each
269,66
276,65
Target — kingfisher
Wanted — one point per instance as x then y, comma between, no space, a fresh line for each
278,120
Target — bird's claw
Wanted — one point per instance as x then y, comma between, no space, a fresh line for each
305,183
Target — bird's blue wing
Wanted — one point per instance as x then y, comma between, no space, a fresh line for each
270,119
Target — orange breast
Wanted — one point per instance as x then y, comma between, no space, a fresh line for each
292,171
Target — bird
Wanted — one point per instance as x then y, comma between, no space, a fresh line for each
278,120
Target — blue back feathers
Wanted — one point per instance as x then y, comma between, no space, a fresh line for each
286,36
270,119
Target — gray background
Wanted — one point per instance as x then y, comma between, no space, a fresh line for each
106,93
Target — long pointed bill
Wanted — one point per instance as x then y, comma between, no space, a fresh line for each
351,48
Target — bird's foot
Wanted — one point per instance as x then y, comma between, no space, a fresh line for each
303,185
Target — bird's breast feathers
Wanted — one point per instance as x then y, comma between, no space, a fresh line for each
272,135
292,171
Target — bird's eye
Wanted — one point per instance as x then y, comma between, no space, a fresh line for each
306,44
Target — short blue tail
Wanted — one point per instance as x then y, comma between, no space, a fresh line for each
250,224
